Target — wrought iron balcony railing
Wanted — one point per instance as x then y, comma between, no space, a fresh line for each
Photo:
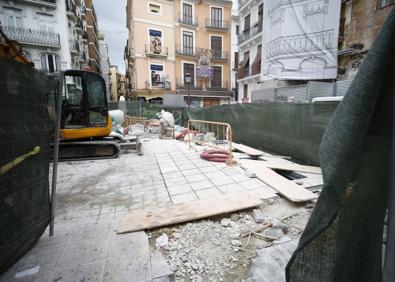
217,24
181,84
187,20
186,51
156,51
217,85
251,32
219,55
33,37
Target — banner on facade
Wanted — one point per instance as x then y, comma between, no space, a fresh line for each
204,69
300,39
155,41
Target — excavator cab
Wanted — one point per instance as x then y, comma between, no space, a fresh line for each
84,106
85,124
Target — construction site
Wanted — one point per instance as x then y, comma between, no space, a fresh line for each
92,190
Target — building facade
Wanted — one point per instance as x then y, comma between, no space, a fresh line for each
105,64
150,52
203,51
360,23
249,48
91,37
235,50
41,27
114,78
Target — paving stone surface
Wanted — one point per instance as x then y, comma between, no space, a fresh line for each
92,197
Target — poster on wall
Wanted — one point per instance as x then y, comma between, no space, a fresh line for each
300,39
155,41
157,75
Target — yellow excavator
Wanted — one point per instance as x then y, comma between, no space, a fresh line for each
84,124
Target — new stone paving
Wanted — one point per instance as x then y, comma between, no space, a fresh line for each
92,196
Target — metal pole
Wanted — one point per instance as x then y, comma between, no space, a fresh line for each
56,153
389,264
189,95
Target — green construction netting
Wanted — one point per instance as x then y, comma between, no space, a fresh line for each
294,130
343,239
24,190
148,110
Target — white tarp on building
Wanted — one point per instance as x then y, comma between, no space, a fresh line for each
300,39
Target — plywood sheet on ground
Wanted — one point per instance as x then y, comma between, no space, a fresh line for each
282,185
248,150
159,217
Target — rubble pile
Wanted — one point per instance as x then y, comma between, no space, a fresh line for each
211,250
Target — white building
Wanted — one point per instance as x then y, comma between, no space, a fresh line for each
105,64
41,27
234,48
250,48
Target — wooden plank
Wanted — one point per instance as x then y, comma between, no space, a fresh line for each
282,185
159,217
293,167
248,150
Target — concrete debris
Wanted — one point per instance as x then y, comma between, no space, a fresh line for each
258,216
274,233
225,222
235,217
136,129
250,173
162,240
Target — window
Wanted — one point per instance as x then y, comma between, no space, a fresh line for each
158,78
216,82
50,63
187,41
247,23
237,29
154,8
236,60
13,17
45,23
385,3
216,46
216,17
189,68
97,100
187,14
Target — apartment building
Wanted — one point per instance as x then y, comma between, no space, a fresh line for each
91,37
105,64
249,48
203,51
235,50
75,10
114,78
360,23
41,27
150,52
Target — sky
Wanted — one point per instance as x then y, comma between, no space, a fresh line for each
112,23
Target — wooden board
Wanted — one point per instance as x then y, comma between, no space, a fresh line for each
248,150
159,217
293,167
282,185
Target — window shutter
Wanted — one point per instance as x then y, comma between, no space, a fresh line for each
58,64
44,66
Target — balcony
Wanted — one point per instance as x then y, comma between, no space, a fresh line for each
188,20
186,51
71,10
243,72
32,37
219,56
158,51
218,25
251,32
256,68
217,85
180,84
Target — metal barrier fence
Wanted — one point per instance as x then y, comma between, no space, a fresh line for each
213,134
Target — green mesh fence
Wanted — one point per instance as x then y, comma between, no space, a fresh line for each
24,190
149,110
295,130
